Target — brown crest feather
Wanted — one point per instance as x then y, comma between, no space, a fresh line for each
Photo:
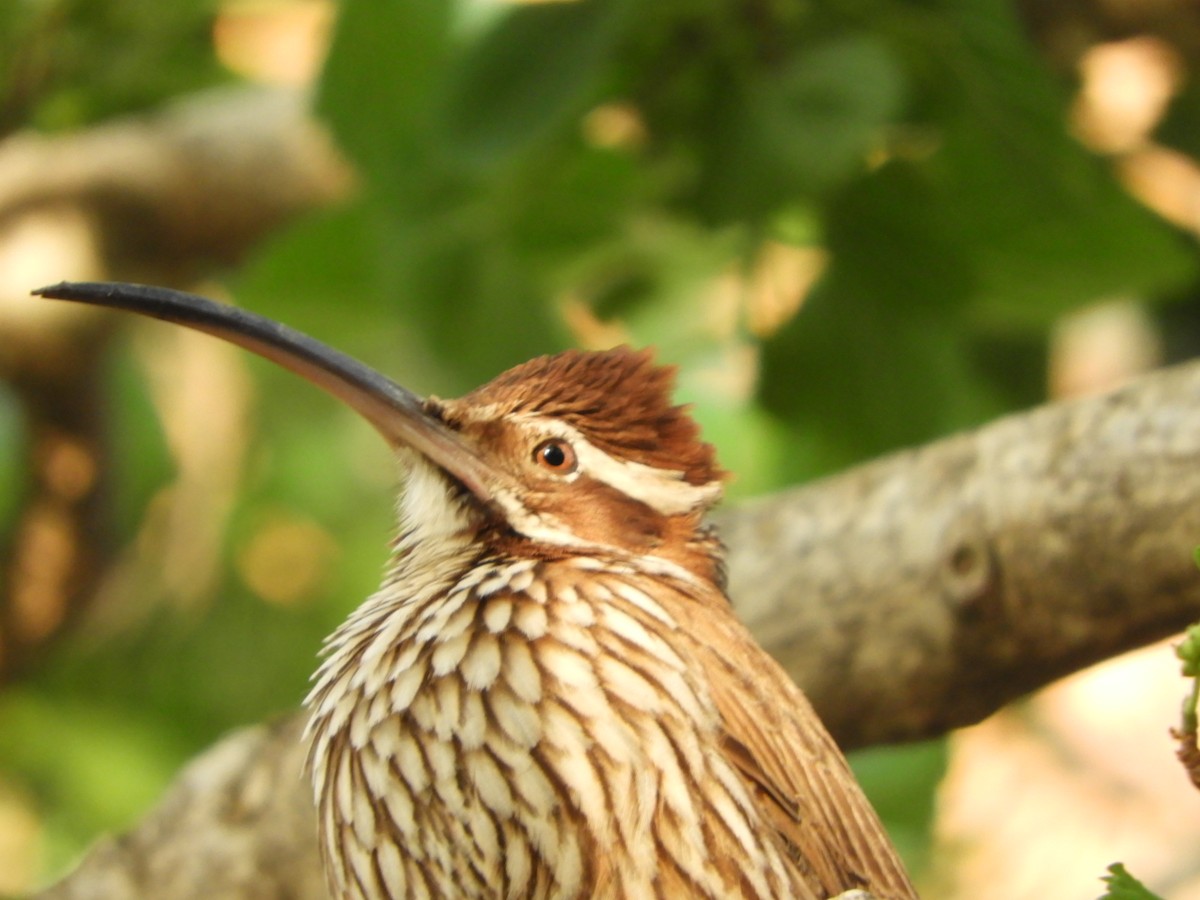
619,399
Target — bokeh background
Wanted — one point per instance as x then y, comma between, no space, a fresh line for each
854,225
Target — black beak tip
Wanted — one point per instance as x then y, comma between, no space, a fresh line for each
74,290
48,291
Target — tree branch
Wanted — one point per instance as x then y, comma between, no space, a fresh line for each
174,194
908,596
921,592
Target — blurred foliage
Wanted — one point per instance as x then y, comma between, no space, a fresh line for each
69,63
538,175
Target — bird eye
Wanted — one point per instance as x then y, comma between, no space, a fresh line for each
556,456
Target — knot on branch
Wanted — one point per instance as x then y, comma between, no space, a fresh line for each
969,570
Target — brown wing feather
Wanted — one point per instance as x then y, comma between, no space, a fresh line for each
802,780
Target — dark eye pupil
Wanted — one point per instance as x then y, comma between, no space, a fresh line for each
553,455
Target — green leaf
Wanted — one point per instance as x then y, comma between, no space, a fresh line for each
820,115
383,70
879,357
568,212
1123,886
1046,224
855,375
891,238
538,65
802,128
1045,240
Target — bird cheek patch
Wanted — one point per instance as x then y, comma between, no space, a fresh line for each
601,514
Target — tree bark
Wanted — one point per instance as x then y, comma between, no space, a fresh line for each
908,596
921,592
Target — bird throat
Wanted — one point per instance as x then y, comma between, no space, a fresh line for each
436,516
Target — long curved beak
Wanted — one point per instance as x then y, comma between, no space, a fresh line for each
396,412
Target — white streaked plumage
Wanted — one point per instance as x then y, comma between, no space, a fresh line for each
479,749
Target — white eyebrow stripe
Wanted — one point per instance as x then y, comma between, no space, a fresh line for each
663,490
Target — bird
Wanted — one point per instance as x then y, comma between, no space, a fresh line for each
549,695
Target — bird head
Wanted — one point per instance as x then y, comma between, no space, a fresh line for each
576,452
